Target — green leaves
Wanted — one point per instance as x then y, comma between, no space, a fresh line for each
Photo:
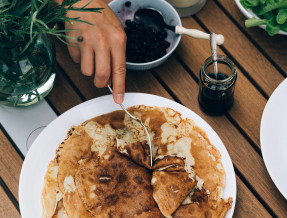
254,22
273,5
281,16
249,3
21,21
4,3
272,13
272,27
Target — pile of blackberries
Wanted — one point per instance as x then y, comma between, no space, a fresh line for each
144,44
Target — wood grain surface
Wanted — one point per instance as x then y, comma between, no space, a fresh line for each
7,209
240,48
242,153
245,192
249,102
274,47
261,63
10,165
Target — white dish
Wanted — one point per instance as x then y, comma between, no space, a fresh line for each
170,16
43,149
273,137
249,14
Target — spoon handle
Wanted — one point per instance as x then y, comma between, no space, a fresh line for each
198,34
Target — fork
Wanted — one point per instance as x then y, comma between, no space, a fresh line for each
138,120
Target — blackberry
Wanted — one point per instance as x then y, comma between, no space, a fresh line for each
144,44
128,23
166,44
128,4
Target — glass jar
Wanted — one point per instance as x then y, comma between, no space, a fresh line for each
216,92
187,8
27,76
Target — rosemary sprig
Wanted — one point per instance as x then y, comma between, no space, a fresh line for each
25,61
21,21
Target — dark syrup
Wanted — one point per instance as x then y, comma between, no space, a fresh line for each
216,99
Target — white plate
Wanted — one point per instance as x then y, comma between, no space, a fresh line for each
273,137
44,147
249,14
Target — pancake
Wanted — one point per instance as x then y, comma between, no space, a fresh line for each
113,184
60,210
171,184
209,170
73,205
174,136
76,147
137,151
211,208
170,189
103,168
51,193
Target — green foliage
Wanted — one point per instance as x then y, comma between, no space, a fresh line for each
22,21
272,13
25,61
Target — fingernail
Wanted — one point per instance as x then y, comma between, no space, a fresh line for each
119,98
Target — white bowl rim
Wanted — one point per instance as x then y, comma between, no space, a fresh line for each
249,14
174,46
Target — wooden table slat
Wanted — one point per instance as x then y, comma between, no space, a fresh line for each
249,102
10,165
7,209
275,47
261,66
64,93
247,204
242,50
245,196
244,157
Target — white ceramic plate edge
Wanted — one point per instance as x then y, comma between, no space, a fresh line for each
266,121
25,185
249,14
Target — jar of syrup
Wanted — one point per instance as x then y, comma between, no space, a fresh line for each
216,91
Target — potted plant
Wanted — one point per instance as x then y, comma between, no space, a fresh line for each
27,56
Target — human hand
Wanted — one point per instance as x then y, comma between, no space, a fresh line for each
100,47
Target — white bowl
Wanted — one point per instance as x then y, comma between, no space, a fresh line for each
186,8
249,14
170,16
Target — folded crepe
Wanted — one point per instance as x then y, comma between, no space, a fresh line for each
103,168
211,208
173,136
178,146
115,186
51,193
170,189
60,211
171,184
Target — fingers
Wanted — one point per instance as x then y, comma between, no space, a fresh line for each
119,67
75,54
103,63
87,60
74,49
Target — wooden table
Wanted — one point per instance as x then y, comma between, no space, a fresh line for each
261,65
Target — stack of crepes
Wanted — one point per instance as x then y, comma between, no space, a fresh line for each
102,169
